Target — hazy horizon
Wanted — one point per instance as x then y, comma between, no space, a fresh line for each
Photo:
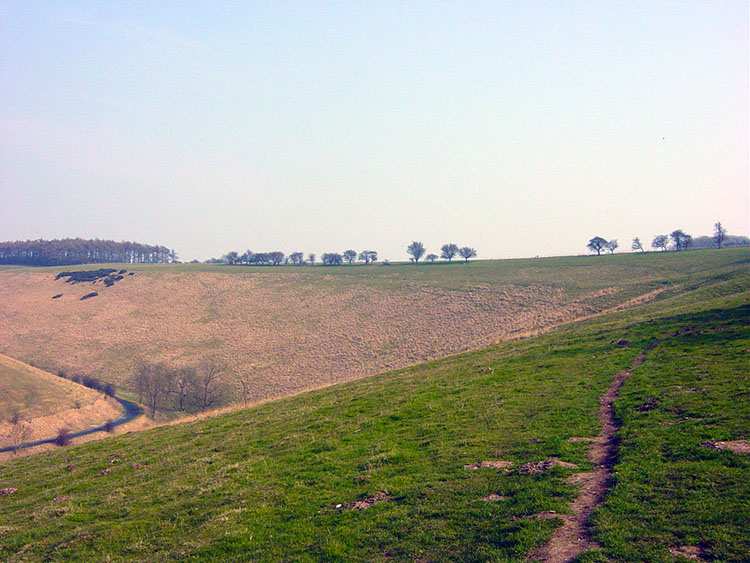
519,130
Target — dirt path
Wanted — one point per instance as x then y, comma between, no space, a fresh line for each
574,536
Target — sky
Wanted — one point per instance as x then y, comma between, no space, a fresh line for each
517,128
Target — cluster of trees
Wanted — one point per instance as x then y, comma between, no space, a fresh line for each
278,258
81,251
184,389
676,240
447,252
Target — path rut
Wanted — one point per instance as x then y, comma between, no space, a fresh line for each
574,536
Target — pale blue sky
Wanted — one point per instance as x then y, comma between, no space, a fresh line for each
519,128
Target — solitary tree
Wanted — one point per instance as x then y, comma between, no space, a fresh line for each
679,238
311,258
416,250
596,244
660,241
720,233
467,252
448,251
636,245
350,255
612,245
431,257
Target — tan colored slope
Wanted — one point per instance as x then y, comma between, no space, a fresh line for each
282,333
33,398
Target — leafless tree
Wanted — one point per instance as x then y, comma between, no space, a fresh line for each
208,385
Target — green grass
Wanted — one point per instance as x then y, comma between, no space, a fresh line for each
263,484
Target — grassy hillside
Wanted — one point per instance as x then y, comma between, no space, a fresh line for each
289,329
374,470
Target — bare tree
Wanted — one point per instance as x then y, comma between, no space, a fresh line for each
276,257
297,258
637,245
720,233
467,252
350,256
416,250
660,241
596,244
184,383
208,385
612,245
20,433
153,383
448,251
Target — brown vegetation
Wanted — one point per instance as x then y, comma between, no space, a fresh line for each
277,334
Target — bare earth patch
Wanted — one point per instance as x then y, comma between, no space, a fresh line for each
493,497
489,464
688,552
367,502
545,465
736,446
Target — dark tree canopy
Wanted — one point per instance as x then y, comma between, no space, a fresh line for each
368,256
431,257
637,244
416,250
67,252
350,256
467,252
332,258
448,251
680,239
596,244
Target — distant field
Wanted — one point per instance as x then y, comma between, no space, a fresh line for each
294,328
46,402
414,465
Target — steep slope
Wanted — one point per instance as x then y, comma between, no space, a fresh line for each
283,330
453,460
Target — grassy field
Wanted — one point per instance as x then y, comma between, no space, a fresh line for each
289,329
374,470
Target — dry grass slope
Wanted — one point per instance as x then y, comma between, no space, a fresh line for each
45,403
